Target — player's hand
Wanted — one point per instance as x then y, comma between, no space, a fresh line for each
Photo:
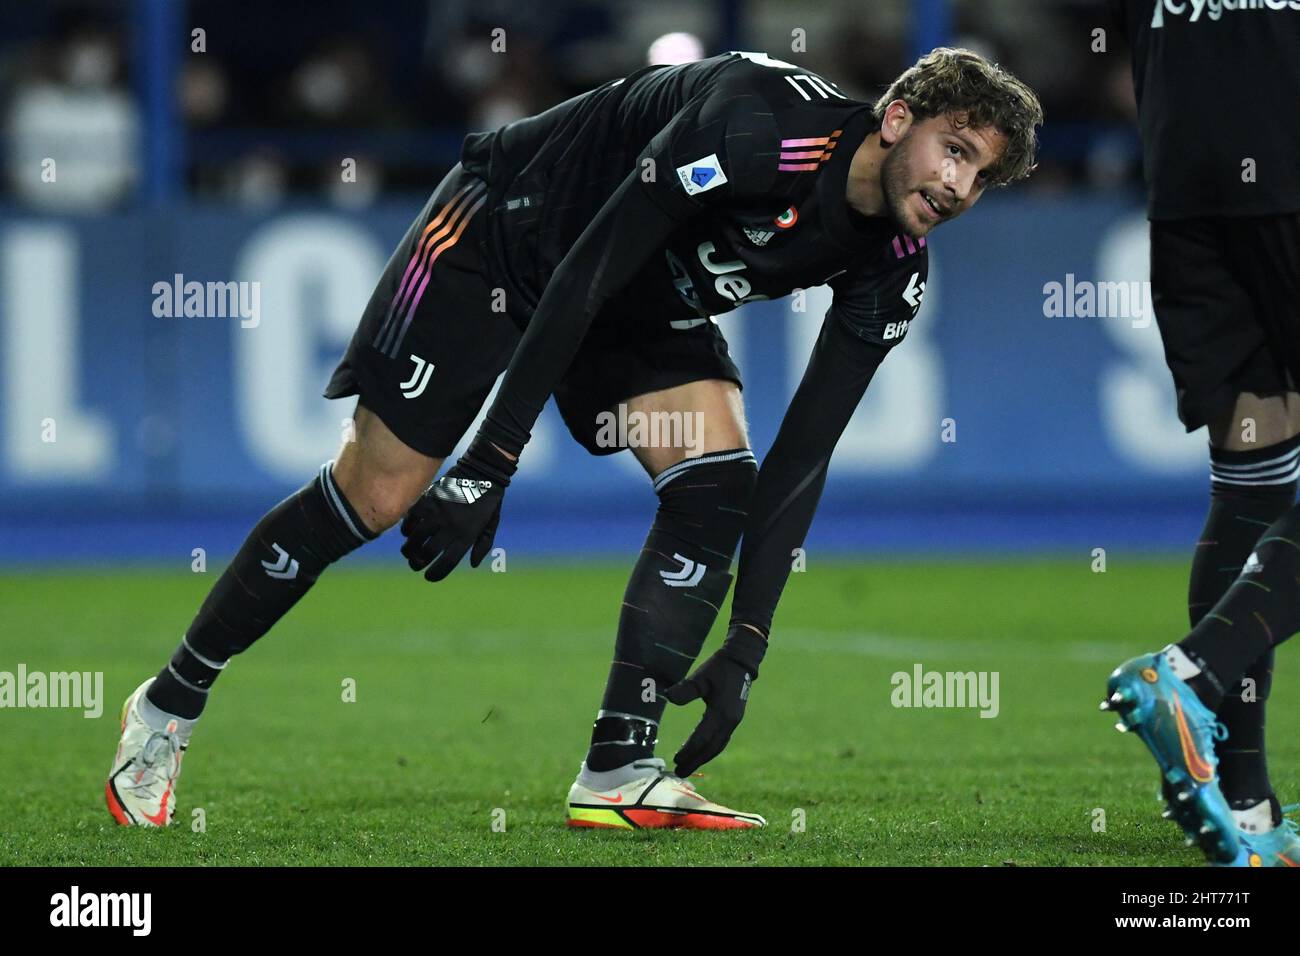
458,512
723,681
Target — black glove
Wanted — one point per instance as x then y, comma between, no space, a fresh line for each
723,682
458,511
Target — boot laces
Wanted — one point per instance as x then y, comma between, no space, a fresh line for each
155,764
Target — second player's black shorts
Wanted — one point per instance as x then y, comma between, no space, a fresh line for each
1227,300
434,338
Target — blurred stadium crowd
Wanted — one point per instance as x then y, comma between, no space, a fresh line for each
284,91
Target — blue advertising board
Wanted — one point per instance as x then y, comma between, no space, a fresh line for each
1030,399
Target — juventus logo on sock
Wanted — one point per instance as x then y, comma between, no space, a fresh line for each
690,574
284,567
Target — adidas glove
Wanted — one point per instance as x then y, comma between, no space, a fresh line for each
458,512
723,681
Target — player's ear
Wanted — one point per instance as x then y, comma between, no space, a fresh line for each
895,123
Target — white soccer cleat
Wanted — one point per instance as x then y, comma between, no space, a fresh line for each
657,800
141,787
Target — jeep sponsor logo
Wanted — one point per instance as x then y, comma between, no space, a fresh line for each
729,283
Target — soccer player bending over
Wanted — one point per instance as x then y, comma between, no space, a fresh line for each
613,227
1224,205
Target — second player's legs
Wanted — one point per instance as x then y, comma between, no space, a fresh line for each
682,574
1252,452
1225,293
1253,458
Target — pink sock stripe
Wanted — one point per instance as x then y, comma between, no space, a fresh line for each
796,167
907,241
805,142
898,248
806,154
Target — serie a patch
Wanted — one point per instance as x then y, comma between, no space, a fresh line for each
701,175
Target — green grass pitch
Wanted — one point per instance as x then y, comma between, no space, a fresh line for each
477,695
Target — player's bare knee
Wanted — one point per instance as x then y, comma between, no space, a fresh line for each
380,476
385,500
689,421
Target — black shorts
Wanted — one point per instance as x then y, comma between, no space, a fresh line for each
433,338
1226,293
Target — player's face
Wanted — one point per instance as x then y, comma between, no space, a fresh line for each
935,172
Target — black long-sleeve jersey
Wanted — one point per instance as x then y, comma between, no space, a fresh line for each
1218,95
682,192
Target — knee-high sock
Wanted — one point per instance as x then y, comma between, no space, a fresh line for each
279,562
1247,496
679,583
1260,610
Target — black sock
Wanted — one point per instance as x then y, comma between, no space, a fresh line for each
1260,610
679,583
1243,504
279,561
1243,763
